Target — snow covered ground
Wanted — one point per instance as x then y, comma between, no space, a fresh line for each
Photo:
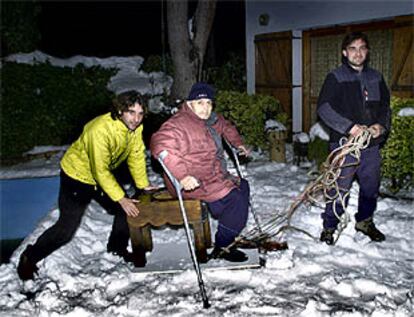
353,278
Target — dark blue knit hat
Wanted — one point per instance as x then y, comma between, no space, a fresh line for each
200,91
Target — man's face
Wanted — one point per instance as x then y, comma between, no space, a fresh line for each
201,107
356,53
132,118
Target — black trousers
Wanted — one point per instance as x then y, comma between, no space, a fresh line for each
74,197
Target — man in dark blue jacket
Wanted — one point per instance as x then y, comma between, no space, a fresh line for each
355,97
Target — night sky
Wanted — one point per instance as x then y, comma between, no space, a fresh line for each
105,29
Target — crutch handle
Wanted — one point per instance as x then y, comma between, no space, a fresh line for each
236,158
163,154
161,157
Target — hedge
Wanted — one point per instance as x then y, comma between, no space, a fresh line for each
398,152
249,113
47,105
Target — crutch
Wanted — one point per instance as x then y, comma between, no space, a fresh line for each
262,252
240,173
177,187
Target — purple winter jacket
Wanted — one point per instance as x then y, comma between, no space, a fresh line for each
192,151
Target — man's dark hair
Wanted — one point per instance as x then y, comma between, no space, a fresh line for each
353,36
350,37
126,100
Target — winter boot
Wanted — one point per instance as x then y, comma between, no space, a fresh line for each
26,267
368,228
327,236
233,255
123,253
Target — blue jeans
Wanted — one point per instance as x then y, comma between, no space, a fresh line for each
368,174
231,212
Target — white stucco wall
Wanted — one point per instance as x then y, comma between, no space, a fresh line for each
302,15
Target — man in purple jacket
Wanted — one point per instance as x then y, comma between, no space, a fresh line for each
193,139
355,97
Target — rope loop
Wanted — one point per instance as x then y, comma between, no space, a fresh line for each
325,186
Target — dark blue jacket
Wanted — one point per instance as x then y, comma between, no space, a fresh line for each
348,97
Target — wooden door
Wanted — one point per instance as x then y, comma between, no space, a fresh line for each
402,83
273,68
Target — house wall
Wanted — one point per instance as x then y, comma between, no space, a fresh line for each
302,15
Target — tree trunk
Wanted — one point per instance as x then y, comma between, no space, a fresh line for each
188,52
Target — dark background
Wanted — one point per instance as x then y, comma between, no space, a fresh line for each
105,29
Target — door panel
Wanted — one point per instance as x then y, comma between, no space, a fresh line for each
274,68
403,60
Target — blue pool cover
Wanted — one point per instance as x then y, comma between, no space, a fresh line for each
24,202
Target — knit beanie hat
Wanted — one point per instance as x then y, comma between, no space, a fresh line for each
200,91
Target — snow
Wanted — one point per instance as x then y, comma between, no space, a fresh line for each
122,63
406,112
301,137
128,77
273,125
355,277
44,162
318,131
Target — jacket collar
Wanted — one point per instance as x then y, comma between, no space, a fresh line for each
352,70
120,125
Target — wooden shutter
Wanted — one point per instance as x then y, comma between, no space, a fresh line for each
402,83
274,67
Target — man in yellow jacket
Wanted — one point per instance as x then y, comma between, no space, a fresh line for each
87,173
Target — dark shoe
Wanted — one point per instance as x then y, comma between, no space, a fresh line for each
139,257
123,253
232,255
327,236
26,268
368,228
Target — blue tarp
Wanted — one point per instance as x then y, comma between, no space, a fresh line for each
24,202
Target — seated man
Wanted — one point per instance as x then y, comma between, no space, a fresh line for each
193,139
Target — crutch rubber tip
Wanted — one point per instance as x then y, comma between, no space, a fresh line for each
206,305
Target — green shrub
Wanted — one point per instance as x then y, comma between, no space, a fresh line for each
318,151
156,63
231,75
47,105
398,152
249,113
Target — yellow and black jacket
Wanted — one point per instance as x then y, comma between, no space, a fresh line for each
103,145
